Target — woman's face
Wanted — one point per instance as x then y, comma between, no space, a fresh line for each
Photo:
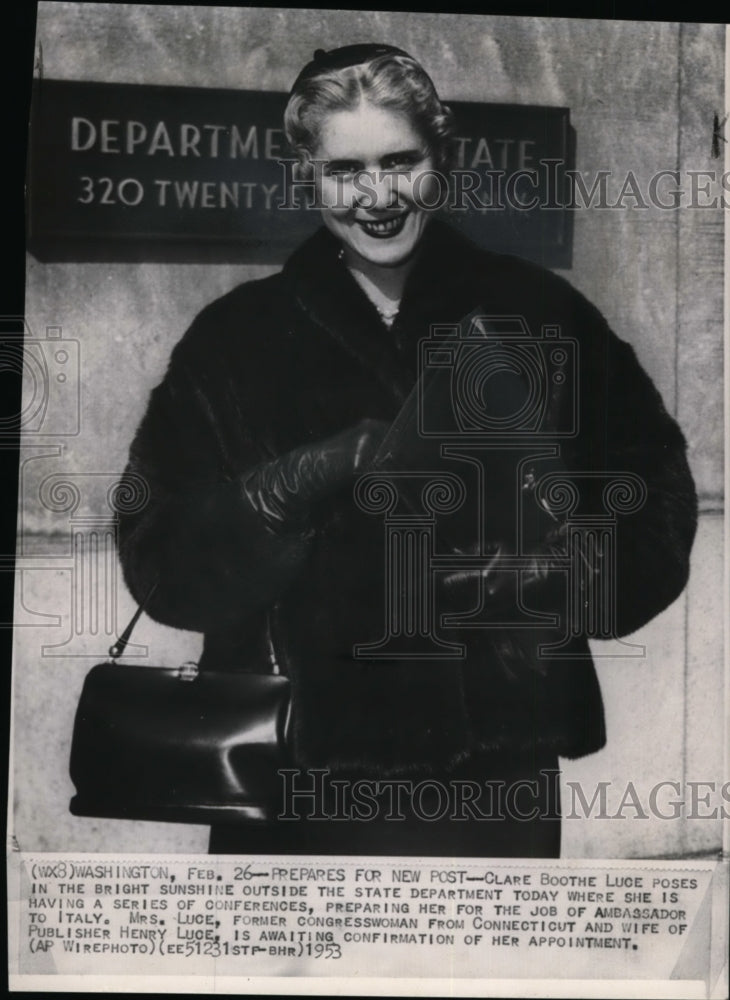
374,183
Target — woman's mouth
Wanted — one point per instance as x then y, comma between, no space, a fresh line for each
385,228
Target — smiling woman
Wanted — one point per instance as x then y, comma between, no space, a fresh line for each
375,165
286,390
371,119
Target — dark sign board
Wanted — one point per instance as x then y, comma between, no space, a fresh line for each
130,172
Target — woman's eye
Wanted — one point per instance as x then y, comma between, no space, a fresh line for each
400,162
342,169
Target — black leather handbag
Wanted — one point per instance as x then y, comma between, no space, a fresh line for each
178,744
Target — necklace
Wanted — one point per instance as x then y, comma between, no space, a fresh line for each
388,314
388,310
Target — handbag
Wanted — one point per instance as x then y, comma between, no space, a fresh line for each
179,744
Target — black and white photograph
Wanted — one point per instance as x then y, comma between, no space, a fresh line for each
370,574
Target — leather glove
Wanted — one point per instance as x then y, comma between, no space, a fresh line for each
541,584
282,491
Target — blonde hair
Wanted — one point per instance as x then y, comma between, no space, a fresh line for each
390,78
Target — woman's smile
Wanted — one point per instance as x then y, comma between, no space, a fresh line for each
384,229
377,172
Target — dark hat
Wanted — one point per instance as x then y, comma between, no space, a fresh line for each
347,55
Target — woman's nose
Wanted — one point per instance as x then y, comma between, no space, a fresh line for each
377,190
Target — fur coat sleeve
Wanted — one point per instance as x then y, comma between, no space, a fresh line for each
624,427
195,538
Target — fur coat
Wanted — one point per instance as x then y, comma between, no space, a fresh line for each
301,355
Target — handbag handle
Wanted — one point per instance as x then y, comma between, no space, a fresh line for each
122,642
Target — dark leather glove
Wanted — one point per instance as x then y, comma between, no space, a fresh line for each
282,491
541,582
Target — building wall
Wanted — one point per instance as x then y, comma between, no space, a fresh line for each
641,99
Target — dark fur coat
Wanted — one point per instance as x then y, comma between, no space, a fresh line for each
298,357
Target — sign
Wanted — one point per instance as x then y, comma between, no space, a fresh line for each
124,172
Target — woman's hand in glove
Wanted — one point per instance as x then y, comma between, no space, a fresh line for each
541,579
283,490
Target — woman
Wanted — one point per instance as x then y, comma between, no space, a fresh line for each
279,397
